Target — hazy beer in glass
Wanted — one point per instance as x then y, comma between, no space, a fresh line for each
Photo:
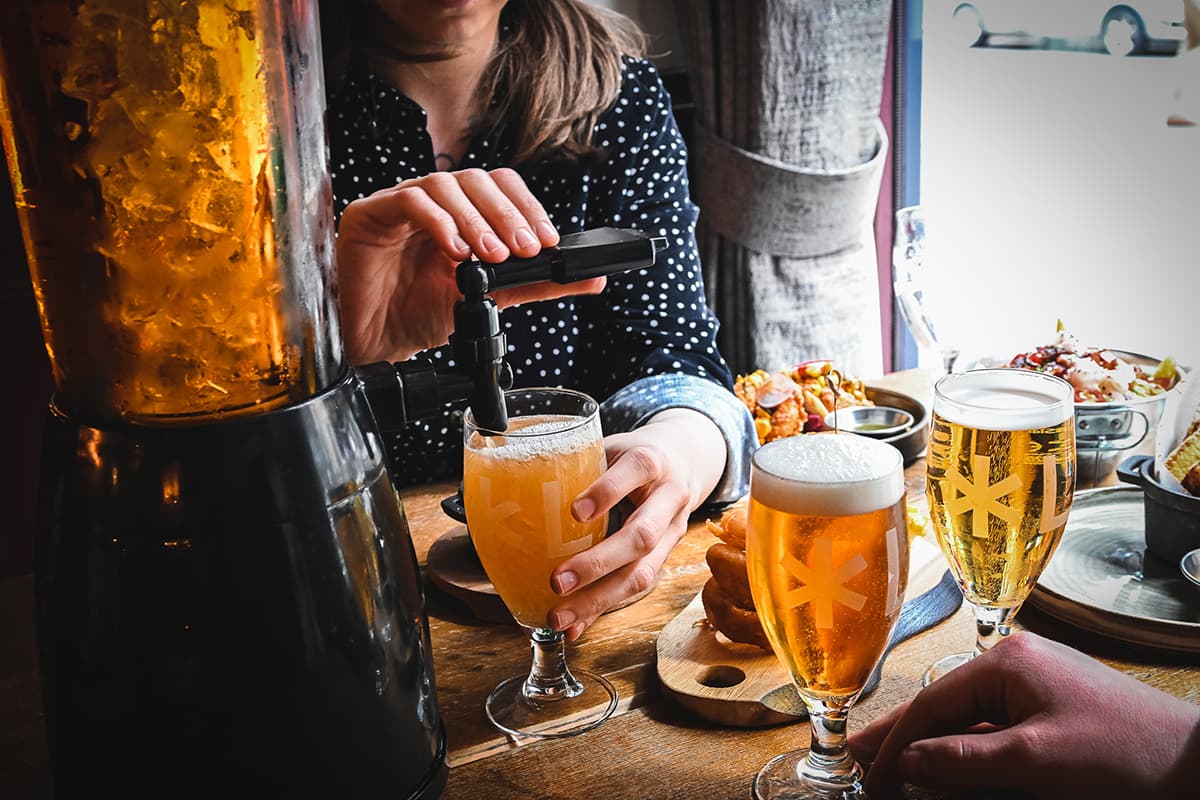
1000,481
518,486
827,555
518,490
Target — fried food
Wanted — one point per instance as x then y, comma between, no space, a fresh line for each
1187,455
726,596
728,567
738,624
918,521
794,401
1191,481
731,528
1184,461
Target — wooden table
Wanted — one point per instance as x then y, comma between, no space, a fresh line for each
652,748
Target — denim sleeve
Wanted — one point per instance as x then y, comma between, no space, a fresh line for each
631,406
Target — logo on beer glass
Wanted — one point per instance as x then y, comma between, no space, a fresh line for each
823,583
1050,520
982,498
514,529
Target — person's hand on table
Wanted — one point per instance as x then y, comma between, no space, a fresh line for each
663,470
1035,715
397,251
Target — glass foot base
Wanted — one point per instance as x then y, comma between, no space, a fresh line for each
512,713
780,780
944,665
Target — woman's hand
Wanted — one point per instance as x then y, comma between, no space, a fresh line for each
664,469
397,251
1037,716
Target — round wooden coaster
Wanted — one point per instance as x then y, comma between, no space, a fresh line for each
454,568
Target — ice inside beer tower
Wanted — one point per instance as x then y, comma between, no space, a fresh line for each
172,277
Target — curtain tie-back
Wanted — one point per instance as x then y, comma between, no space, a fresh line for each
773,207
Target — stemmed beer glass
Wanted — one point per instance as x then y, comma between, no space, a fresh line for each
920,303
1000,478
827,555
517,489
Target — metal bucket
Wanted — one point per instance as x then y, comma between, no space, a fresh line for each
1108,433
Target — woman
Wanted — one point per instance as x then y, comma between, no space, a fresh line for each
486,127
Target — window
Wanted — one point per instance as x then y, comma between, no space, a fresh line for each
1061,181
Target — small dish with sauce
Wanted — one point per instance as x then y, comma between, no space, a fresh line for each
878,422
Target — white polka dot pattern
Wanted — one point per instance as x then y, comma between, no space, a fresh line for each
646,323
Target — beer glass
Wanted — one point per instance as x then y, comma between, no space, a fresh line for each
921,304
517,489
827,556
1000,477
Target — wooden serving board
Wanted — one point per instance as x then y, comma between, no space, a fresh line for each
727,682
716,678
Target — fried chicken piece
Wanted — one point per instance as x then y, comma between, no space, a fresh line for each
728,566
738,624
731,528
786,420
726,596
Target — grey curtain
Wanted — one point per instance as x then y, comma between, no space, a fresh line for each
787,156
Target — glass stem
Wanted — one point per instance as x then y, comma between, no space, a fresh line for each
829,760
549,677
949,356
991,625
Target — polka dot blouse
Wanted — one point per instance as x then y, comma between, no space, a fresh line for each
648,342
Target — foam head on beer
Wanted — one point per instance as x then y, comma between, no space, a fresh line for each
1004,400
535,437
827,474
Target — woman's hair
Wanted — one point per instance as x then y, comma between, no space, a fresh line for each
556,68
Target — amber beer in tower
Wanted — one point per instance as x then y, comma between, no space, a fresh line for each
827,554
518,489
1000,480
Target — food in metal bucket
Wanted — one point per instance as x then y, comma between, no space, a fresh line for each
1119,397
1099,375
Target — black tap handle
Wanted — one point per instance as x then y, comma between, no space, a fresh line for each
479,348
578,256
605,251
398,393
479,344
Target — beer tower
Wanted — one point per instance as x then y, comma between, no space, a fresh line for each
228,598
227,594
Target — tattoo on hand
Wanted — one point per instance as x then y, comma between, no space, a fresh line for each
445,162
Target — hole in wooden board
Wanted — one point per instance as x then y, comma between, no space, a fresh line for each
720,677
